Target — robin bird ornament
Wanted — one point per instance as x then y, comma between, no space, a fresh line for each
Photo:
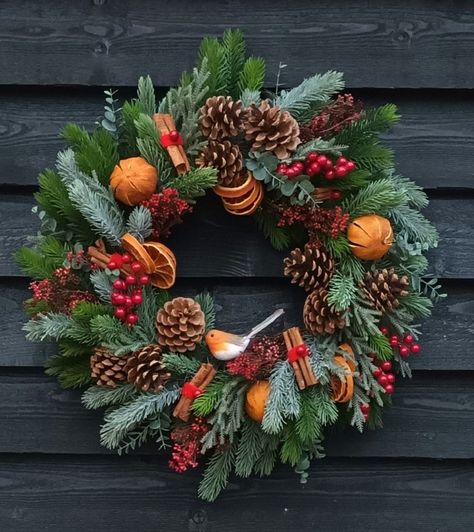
226,346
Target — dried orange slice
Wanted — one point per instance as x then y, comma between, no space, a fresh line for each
246,208
342,390
138,252
164,274
236,192
351,361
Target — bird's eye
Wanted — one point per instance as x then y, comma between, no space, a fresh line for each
212,335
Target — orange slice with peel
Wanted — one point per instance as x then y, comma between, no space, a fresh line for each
248,205
236,192
138,252
164,275
342,390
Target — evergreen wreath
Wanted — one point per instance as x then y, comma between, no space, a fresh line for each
308,165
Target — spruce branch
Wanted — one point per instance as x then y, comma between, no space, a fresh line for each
181,365
102,283
97,397
71,373
206,302
47,326
195,183
378,196
216,476
251,78
139,223
146,95
249,448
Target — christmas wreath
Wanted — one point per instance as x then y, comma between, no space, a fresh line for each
308,165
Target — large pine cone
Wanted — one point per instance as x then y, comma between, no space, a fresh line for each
311,268
383,288
221,117
107,369
180,324
145,369
271,129
227,159
318,316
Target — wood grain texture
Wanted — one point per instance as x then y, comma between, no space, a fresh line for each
214,244
103,493
417,43
432,142
446,334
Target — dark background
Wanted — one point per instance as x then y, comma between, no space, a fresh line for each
55,60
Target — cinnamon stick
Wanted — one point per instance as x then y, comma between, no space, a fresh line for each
165,124
298,375
303,363
201,380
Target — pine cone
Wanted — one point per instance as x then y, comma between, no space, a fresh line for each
180,324
221,117
227,159
311,268
271,129
318,316
145,369
383,288
107,369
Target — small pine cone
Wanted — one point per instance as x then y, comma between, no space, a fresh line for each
271,129
227,159
383,288
107,369
221,117
318,316
311,268
180,324
145,369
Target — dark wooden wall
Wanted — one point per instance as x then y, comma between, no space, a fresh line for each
55,59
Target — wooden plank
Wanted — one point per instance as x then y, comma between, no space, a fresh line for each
214,244
421,43
77,494
42,418
241,307
430,127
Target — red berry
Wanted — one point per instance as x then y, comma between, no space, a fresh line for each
336,194
328,165
132,319
291,173
144,279
393,342
322,160
330,174
118,284
415,348
365,409
126,258
342,161
384,330
377,373
128,301
112,265
341,171
389,389
301,350
137,299
386,366
394,337
130,280
404,351
174,136
136,267
314,168
391,378
383,380
299,165
408,339
137,291
119,299
120,313
350,166
312,156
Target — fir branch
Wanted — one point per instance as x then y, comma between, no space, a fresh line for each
216,476
118,423
211,56
181,365
47,326
416,304
251,78
97,397
364,321
70,373
321,146
379,344
146,95
41,263
266,462
233,45
317,89
412,223
249,97
342,291
415,195
292,447
378,196
113,334
280,237
307,426
102,283
194,184
139,223
208,401
131,110
206,302
153,300
249,449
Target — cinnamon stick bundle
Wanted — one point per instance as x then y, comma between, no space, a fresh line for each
99,256
165,124
303,372
199,382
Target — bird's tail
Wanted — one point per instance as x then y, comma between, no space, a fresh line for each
265,323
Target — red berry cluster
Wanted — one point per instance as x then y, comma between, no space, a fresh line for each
384,375
405,344
127,294
365,409
187,445
315,164
257,360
